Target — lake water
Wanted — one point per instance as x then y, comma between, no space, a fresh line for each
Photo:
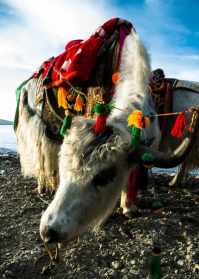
7,137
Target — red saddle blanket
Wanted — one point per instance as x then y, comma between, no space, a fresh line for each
80,56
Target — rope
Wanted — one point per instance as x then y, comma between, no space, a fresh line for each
191,109
75,89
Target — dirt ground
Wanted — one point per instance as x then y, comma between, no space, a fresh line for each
121,249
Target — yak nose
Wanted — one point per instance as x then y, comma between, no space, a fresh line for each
49,235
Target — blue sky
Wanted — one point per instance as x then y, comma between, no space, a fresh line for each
33,30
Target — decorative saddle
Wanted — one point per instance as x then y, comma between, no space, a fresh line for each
82,76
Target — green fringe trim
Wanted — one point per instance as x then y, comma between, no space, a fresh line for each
66,125
147,157
135,136
100,108
157,204
18,94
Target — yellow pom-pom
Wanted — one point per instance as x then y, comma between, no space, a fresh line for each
62,97
135,119
78,103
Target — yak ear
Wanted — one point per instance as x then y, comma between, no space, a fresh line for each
147,156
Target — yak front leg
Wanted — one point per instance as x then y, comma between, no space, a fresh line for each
138,179
129,193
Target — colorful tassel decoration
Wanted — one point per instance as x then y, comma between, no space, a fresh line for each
100,108
78,104
66,124
135,136
179,126
115,77
147,157
135,120
155,264
62,97
100,123
157,206
146,121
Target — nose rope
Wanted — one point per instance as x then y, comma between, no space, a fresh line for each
55,257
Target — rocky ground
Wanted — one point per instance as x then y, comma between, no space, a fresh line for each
121,249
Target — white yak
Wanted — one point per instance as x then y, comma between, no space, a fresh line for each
91,171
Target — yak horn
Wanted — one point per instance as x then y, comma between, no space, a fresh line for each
158,159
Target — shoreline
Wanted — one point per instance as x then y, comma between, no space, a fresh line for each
7,151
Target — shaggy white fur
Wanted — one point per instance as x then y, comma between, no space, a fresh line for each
83,159
134,73
82,200
38,155
131,92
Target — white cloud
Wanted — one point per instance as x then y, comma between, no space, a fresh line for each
164,35
42,30
177,66
9,79
44,27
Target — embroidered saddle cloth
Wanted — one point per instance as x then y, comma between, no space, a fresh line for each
85,65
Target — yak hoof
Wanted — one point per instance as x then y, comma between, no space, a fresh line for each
130,211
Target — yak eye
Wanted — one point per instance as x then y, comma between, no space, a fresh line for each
104,177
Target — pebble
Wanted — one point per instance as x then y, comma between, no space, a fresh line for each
188,257
115,264
112,256
112,272
180,262
196,267
132,262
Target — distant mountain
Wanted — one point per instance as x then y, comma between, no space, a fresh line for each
5,122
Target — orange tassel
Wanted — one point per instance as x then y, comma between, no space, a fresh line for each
179,126
115,77
62,97
78,103
146,121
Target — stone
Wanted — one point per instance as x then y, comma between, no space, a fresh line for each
115,264
180,262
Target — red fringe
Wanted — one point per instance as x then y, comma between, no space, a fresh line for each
100,124
179,126
133,185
